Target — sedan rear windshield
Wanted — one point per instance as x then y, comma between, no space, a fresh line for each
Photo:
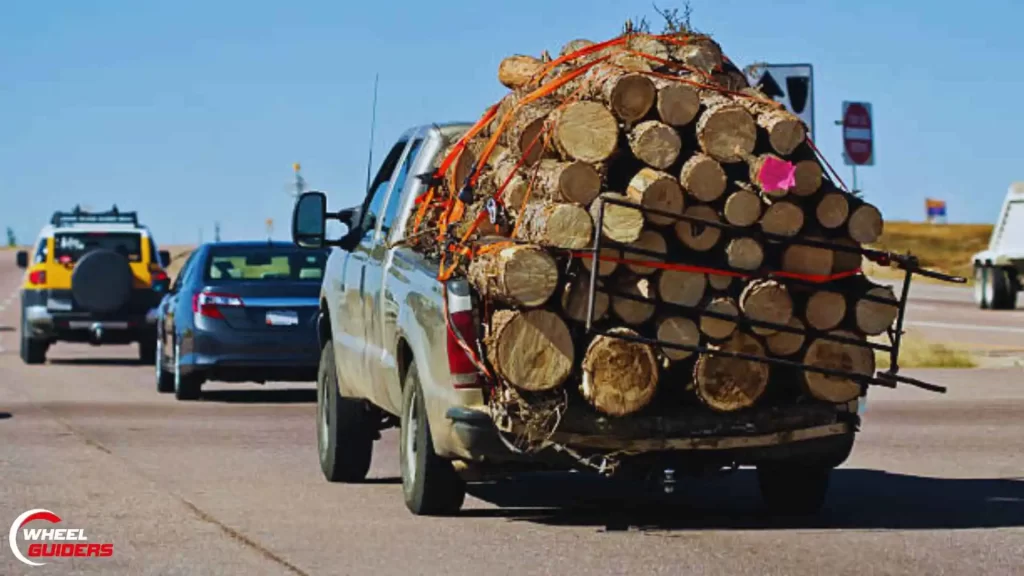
69,247
248,264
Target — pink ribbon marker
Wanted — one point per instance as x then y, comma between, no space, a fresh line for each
777,174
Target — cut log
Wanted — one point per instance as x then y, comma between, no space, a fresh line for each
682,288
825,310
532,350
656,190
678,104
786,343
703,54
785,130
576,182
783,218
516,71
726,131
697,236
873,317
808,177
865,225
576,300
732,80
744,254
556,224
619,376
680,331
575,46
504,167
811,260
846,261
520,275
621,223
703,178
837,356
630,96
719,328
742,208
586,131
655,143
650,46
604,267
525,133
720,282
729,384
832,210
766,300
653,242
627,308
768,188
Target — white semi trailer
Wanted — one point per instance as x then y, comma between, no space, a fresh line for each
997,270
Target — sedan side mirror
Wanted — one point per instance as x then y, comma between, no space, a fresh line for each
22,258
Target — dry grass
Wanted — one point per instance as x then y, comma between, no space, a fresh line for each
916,352
944,247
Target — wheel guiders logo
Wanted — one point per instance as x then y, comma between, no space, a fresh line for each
63,542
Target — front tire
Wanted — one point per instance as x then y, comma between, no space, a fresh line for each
164,378
344,434
186,386
430,484
793,489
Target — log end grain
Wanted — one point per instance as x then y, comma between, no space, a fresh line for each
729,384
785,131
682,288
651,241
837,356
655,143
579,183
680,331
873,317
559,225
521,275
825,309
808,175
783,218
620,377
865,225
703,178
811,260
742,208
636,304
766,300
630,96
516,71
833,209
586,131
576,301
719,328
620,223
678,104
786,343
744,254
727,132
532,350
696,236
658,191
604,267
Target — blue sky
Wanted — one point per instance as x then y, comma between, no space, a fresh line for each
193,112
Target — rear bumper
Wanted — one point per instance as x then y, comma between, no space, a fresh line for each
250,356
43,322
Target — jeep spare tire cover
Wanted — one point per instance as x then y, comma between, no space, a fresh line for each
102,281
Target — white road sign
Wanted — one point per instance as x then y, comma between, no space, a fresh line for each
789,84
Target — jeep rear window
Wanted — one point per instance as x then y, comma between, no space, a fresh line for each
69,247
265,263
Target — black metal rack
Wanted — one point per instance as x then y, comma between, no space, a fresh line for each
79,216
889,378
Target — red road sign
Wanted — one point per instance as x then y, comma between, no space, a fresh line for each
858,134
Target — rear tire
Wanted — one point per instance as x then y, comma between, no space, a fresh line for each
164,379
1004,290
793,489
981,288
430,484
186,386
344,430
33,351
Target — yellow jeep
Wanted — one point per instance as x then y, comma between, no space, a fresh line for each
93,277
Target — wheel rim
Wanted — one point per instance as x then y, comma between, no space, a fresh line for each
990,289
321,407
177,366
411,433
159,359
979,285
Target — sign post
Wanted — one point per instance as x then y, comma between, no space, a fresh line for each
792,85
858,136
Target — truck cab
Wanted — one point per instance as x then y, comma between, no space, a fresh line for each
997,270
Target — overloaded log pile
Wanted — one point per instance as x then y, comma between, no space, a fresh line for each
666,123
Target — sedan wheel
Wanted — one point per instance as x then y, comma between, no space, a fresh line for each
186,386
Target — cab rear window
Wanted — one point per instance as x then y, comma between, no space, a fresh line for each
70,247
247,264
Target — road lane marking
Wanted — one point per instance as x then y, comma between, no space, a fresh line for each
976,327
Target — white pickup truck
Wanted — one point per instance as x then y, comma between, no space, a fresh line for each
389,358
997,271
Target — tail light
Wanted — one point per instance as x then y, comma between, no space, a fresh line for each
460,364
208,304
37,277
157,274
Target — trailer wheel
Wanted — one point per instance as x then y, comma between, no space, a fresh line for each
981,289
793,489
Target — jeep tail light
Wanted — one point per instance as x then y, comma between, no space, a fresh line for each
37,277
157,274
209,303
464,372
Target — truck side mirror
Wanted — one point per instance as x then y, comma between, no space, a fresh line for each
309,220
22,258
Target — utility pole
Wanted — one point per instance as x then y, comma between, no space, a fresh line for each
216,231
300,183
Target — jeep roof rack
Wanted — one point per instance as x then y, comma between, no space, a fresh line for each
79,216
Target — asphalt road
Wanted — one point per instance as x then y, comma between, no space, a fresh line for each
230,485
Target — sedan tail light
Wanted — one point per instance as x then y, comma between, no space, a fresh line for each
208,304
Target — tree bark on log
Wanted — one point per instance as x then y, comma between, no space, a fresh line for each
619,376
677,330
633,312
586,131
621,223
655,143
519,275
604,267
756,165
846,261
576,300
525,131
785,131
744,254
833,209
726,131
678,104
783,218
703,54
742,208
556,224
516,71
504,166
729,384
659,191
630,96
825,310
532,350
653,242
718,328
786,343
696,236
766,300
682,288
837,356
650,46
873,317
865,224
811,260
575,182
703,178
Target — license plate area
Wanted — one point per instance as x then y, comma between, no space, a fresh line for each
282,318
